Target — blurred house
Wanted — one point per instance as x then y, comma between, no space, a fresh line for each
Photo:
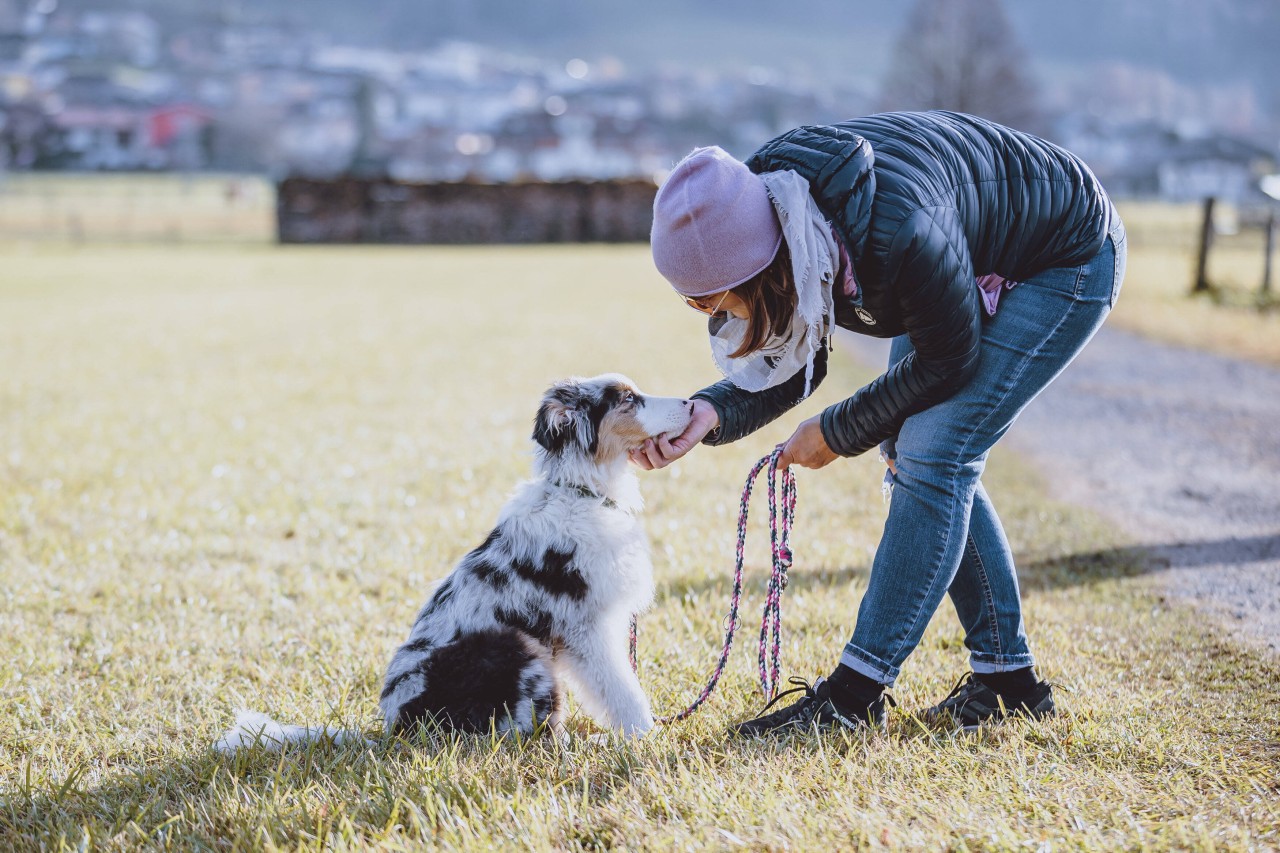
102,137
220,92
111,116
1148,160
1215,165
104,86
25,132
130,137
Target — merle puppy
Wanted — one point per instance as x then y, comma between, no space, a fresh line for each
551,591
548,595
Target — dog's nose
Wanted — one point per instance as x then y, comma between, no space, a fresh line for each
689,404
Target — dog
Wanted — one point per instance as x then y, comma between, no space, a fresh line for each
552,589
547,597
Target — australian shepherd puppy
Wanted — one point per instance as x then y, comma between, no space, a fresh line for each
546,598
551,591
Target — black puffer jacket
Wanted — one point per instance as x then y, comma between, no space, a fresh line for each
923,202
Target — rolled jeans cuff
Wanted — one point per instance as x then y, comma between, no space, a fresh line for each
985,664
865,663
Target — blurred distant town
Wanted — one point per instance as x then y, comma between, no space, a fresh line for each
112,90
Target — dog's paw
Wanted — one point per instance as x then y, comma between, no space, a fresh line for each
627,731
615,737
639,727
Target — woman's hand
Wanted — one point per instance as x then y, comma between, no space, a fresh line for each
807,447
661,453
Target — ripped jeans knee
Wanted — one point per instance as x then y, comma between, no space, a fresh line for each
889,456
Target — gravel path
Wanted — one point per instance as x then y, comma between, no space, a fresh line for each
1182,449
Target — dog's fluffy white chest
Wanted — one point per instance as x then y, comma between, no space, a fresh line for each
611,550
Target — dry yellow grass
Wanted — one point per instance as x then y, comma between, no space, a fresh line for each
162,207
171,208
229,476
1155,301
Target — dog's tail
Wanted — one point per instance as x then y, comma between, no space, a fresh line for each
255,729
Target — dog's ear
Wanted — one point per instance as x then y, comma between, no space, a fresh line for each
555,425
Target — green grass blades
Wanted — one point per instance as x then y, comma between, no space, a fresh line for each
229,476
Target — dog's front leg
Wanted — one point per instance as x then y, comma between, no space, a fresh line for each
611,692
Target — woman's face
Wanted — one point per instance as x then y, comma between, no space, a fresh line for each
724,303
736,306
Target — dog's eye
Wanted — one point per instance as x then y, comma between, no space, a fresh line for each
629,398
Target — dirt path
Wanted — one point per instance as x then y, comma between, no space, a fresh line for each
1182,449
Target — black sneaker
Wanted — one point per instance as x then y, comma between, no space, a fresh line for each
814,708
972,703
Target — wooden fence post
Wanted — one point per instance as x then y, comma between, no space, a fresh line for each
1270,248
1206,239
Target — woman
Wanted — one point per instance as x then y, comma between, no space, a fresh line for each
990,257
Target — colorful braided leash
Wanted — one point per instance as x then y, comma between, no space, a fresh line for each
782,511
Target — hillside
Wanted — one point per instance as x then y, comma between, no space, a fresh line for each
1195,41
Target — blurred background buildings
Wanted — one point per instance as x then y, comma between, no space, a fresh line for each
1169,99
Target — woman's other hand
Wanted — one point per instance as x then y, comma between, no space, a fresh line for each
660,453
807,447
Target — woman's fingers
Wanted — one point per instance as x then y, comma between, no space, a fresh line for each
662,451
784,458
789,454
654,455
806,447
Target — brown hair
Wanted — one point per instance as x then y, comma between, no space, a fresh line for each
770,297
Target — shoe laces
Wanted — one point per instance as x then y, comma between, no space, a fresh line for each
967,684
810,691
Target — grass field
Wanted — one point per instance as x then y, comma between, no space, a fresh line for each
105,209
136,208
1162,253
229,477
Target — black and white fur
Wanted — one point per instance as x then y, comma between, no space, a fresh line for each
548,596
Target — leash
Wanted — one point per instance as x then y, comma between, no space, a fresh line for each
782,510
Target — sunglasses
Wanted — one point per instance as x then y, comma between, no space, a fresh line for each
698,305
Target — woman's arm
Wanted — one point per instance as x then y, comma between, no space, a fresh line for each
724,413
743,412
933,276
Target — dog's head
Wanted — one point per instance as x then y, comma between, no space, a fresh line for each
599,420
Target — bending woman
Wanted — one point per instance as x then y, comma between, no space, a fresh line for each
990,257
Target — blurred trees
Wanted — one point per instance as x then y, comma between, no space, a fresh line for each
962,55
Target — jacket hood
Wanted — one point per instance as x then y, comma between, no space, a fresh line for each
840,168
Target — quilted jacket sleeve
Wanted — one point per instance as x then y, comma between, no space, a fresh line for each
743,412
932,272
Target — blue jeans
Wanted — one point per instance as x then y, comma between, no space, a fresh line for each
942,534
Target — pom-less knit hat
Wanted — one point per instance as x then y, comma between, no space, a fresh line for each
714,226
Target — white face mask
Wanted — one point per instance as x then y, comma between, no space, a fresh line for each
814,261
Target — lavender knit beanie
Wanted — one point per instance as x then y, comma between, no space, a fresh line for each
714,226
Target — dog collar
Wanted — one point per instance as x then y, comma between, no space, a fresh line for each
586,493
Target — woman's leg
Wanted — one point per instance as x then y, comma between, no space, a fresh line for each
985,588
986,597
941,452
